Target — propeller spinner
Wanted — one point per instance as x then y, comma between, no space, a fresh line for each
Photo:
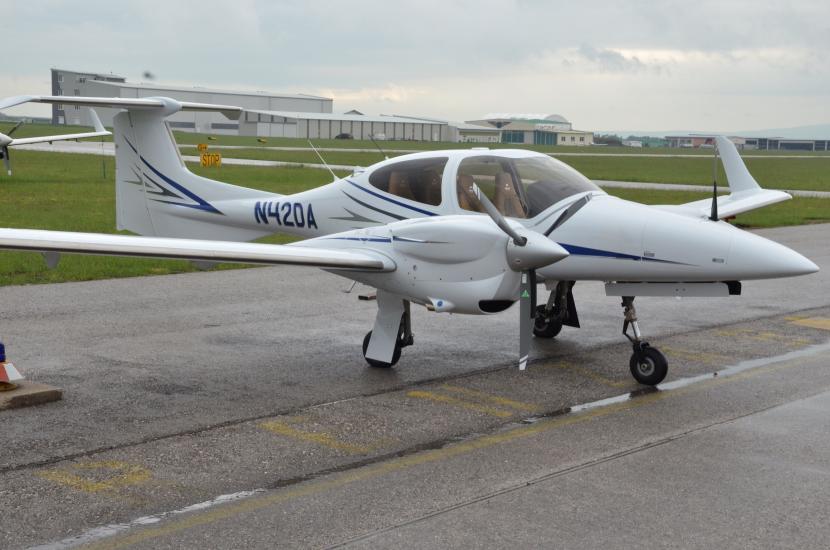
526,252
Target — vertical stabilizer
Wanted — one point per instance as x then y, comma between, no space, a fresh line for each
156,195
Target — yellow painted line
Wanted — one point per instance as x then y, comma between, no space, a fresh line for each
498,400
440,398
324,439
703,357
765,336
115,474
588,373
821,323
254,504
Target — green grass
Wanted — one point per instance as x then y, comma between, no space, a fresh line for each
774,173
798,211
69,192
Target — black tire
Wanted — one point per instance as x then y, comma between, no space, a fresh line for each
649,367
396,355
545,327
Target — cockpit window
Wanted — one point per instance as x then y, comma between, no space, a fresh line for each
519,188
417,180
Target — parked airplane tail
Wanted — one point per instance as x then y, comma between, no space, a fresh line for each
156,195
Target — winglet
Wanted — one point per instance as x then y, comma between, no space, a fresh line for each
96,122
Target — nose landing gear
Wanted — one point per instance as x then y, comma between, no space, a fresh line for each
648,365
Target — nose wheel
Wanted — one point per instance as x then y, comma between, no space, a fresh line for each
648,365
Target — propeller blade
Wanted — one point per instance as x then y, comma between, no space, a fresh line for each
527,311
16,126
496,216
7,161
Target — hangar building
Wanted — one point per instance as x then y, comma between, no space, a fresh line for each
695,141
273,123
109,85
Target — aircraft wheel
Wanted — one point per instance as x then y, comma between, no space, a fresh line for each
544,327
648,366
396,355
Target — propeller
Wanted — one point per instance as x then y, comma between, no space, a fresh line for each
5,141
526,252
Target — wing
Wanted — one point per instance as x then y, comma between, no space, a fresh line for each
229,111
191,249
745,193
99,131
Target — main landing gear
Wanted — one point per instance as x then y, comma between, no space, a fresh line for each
392,332
559,311
648,365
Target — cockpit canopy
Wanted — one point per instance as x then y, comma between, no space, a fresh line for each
519,187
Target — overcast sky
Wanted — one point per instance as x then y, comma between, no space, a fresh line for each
649,65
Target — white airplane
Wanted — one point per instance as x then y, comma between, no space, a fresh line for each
7,141
465,231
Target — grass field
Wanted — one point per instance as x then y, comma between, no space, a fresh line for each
774,173
69,192
185,138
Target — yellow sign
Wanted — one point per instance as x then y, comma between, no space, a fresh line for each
202,147
211,159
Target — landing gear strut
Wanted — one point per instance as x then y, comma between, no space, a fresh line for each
403,335
648,365
558,311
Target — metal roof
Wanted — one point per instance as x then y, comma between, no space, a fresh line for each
333,116
196,89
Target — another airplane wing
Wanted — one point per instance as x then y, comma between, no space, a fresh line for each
99,131
61,242
745,193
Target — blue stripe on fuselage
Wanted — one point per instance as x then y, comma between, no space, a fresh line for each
393,201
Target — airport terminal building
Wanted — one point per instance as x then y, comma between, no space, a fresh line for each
536,129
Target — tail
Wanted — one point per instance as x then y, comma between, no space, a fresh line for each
156,195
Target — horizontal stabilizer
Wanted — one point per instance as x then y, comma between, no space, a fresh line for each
189,249
143,103
745,193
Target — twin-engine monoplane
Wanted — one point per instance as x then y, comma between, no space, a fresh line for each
463,231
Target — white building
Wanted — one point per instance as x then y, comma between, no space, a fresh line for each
294,124
74,83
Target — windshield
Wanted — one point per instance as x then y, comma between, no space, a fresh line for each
520,188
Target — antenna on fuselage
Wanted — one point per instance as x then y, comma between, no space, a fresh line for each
372,137
326,164
714,213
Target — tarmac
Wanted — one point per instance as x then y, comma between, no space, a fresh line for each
233,409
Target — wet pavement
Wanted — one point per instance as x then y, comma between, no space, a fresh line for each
233,409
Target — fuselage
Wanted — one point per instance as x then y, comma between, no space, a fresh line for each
609,239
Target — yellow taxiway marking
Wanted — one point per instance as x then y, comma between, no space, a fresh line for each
440,398
258,503
821,323
703,357
588,373
254,504
495,399
764,336
324,439
113,473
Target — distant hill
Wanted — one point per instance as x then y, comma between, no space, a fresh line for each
815,131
